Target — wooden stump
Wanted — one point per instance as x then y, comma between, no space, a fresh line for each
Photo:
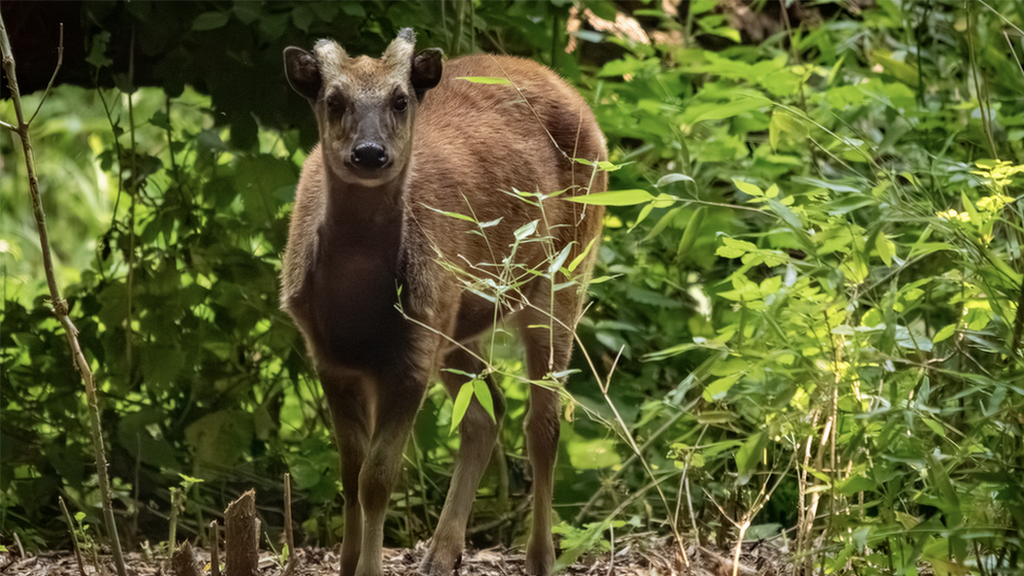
242,537
183,561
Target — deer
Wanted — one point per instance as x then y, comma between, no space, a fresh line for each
402,251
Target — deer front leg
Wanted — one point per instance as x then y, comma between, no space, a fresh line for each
398,399
347,398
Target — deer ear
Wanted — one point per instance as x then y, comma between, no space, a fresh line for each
426,71
303,72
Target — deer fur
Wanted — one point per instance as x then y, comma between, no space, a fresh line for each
385,284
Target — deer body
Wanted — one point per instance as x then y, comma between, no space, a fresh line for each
383,282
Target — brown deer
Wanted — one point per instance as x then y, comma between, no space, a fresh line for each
387,285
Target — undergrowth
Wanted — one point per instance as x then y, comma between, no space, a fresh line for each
806,320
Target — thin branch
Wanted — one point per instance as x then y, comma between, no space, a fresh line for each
1012,50
60,60
1004,18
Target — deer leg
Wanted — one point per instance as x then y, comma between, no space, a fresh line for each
399,395
346,397
477,433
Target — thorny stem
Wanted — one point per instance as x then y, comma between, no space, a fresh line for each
60,306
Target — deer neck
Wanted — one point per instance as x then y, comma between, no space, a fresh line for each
367,218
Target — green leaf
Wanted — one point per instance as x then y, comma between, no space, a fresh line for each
326,10
221,438
604,10
246,12
748,188
302,17
455,215
649,297
886,249
856,484
944,333
935,427
717,389
849,203
594,454
98,50
783,122
461,405
971,210
663,222
559,259
902,71
614,198
671,351
486,80
690,234
526,230
749,455
947,500
210,21
912,340
351,8
672,178
482,392
722,110
787,215
581,256
732,248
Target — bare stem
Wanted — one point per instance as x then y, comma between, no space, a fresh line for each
74,537
289,536
60,306
214,549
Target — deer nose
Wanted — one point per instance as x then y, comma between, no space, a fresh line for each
369,155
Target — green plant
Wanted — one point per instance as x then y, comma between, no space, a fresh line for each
859,321
178,504
809,281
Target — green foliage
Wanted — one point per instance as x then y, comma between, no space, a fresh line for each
852,304
579,541
808,294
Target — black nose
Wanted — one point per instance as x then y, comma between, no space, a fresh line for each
369,155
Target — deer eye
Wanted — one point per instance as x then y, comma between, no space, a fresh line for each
401,103
336,103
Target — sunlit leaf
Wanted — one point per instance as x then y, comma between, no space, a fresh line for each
460,405
614,198
486,80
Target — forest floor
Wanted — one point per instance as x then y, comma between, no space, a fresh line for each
662,557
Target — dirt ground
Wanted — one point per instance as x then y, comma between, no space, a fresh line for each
653,557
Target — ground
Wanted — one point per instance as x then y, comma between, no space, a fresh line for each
654,556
